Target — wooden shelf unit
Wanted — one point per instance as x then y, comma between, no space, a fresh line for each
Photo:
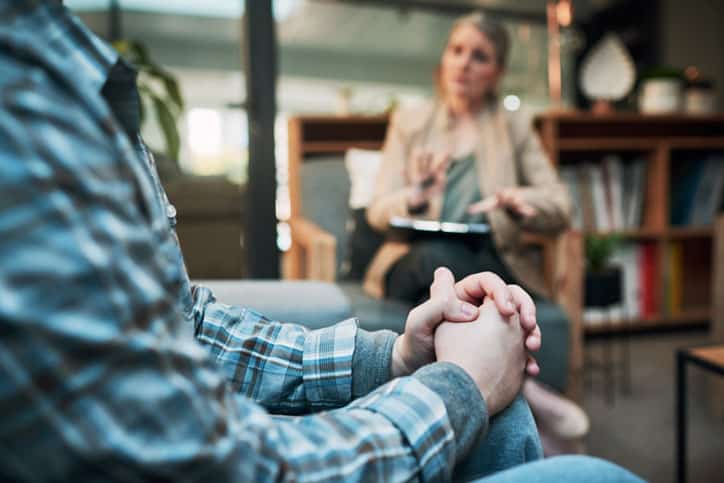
572,137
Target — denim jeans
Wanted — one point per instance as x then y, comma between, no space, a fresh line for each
512,440
512,452
562,469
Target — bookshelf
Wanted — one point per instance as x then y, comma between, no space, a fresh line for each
668,146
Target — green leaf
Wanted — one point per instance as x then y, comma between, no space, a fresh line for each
139,52
166,105
121,46
168,125
599,249
141,109
145,93
169,82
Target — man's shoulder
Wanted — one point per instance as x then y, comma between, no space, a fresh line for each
30,90
44,117
19,72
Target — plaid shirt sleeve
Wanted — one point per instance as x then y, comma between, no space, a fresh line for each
100,375
284,367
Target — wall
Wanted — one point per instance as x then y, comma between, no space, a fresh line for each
692,33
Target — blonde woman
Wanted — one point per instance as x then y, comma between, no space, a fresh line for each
461,158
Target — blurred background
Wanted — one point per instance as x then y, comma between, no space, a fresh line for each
365,57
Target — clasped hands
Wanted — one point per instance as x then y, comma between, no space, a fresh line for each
481,324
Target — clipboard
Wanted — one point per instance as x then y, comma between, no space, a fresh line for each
414,225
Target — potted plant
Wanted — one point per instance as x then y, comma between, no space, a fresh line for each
603,286
159,92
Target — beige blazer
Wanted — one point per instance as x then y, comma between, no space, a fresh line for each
507,154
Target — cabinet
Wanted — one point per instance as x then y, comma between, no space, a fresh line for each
668,145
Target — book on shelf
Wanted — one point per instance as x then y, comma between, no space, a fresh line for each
569,177
601,212
697,189
634,174
613,184
674,278
593,316
709,191
649,280
606,196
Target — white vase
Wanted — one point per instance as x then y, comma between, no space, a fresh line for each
661,96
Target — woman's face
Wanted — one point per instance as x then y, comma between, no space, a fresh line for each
469,68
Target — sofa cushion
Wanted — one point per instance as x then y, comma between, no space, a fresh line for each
362,167
374,314
205,197
310,303
325,194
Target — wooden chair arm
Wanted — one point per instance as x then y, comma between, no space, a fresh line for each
564,265
561,254
313,254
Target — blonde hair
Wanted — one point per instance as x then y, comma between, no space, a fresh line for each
492,29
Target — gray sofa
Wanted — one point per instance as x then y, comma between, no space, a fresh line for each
311,303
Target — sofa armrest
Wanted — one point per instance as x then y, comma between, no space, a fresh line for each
564,265
313,254
310,303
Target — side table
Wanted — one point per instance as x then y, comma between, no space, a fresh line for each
710,357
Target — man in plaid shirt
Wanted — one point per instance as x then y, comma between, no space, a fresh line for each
114,367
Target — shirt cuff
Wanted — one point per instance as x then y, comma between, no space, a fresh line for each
327,364
372,360
466,408
420,415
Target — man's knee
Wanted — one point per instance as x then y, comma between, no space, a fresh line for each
512,440
515,429
582,468
564,468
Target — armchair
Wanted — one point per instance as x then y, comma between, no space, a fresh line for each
319,192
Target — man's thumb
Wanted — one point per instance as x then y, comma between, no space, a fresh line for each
442,290
443,284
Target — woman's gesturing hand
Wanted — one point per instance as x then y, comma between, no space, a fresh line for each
510,199
427,175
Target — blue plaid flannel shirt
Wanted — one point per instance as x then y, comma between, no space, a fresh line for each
112,366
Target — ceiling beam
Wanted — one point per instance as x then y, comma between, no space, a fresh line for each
454,8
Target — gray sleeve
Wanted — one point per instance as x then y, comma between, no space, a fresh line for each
461,396
372,360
